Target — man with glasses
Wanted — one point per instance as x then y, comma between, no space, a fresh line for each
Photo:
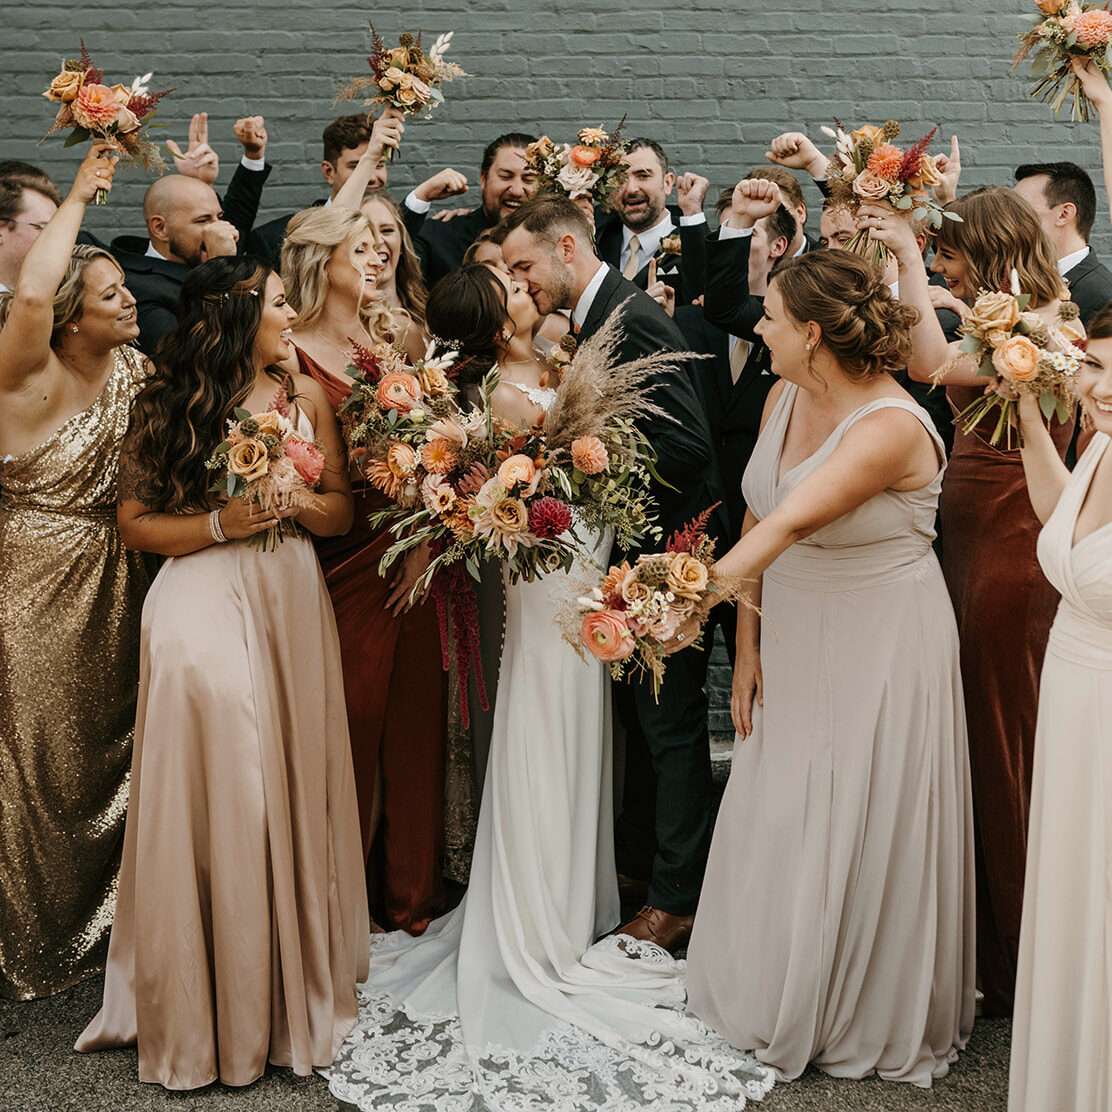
27,202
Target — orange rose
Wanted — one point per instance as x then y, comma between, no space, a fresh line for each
249,460
589,454
1016,360
607,636
399,391
65,87
516,469
687,576
584,156
95,107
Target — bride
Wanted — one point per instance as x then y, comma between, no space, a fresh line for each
509,997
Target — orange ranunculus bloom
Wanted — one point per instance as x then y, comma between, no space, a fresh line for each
584,156
607,636
399,391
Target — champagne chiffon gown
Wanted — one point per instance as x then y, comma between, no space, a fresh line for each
836,921
1062,1034
242,924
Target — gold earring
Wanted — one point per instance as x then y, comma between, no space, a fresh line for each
1087,422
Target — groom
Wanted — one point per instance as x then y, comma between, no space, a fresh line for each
549,245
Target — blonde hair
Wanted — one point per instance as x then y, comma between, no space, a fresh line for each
69,299
999,231
311,237
412,292
863,326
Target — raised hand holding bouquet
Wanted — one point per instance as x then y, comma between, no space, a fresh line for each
868,167
266,462
587,171
105,113
1064,30
1022,354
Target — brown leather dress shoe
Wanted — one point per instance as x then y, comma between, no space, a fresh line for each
669,932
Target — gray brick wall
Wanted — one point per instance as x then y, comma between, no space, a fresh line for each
713,80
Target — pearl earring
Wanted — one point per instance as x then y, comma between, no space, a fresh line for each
74,329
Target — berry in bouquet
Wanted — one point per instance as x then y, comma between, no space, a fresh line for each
98,112
264,460
1063,30
868,166
1021,354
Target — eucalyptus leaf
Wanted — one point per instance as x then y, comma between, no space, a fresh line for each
970,345
1048,404
241,414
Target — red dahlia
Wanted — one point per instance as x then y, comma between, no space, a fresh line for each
549,517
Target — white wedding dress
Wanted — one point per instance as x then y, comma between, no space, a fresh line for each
508,1002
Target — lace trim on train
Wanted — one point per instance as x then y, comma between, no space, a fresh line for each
406,1063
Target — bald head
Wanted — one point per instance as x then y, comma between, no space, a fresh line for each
176,209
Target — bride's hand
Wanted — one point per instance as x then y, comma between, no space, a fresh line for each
747,687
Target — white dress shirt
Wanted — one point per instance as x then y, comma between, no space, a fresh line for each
587,297
650,239
1068,262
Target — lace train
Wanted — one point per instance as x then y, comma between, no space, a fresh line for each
394,1059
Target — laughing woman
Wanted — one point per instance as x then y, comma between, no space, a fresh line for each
241,929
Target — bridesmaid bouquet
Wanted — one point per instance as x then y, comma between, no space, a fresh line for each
1065,29
1022,355
405,77
264,460
630,618
868,166
108,113
592,168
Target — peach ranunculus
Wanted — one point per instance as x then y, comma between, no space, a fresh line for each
401,459
249,460
65,87
95,107
589,454
399,391
870,187
307,458
584,156
993,311
516,469
607,636
1016,360
687,576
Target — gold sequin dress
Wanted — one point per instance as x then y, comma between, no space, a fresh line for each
70,600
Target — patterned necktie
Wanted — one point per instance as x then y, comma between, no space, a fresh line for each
631,267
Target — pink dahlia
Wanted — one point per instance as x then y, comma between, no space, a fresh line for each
549,517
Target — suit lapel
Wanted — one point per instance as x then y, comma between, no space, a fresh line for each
603,303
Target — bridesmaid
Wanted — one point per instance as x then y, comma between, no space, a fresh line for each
1003,602
1063,1011
393,676
70,597
836,921
241,929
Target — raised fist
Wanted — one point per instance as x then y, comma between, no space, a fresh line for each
691,192
251,132
753,199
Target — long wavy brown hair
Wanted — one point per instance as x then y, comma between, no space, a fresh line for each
999,231
203,370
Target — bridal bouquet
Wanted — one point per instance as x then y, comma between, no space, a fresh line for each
868,166
1022,355
264,460
636,611
1065,29
593,167
108,113
405,77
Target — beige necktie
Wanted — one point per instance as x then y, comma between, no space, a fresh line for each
739,355
631,267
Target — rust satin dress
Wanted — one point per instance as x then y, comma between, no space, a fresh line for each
397,709
1004,607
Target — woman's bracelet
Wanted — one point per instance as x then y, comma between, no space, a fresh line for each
214,527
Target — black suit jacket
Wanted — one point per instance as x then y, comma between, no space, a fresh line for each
443,243
1090,284
685,456
265,241
156,283
683,270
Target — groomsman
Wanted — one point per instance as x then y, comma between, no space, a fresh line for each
549,245
1063,195
187,224
643,226
28,199
505,182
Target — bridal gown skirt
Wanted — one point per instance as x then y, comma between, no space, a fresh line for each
507,1001
241,929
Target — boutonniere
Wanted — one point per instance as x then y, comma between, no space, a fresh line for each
671,245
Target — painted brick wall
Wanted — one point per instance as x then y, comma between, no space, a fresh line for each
713,80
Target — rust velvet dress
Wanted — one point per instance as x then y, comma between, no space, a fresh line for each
396,700
1004,607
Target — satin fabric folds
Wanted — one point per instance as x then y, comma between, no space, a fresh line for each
242,922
